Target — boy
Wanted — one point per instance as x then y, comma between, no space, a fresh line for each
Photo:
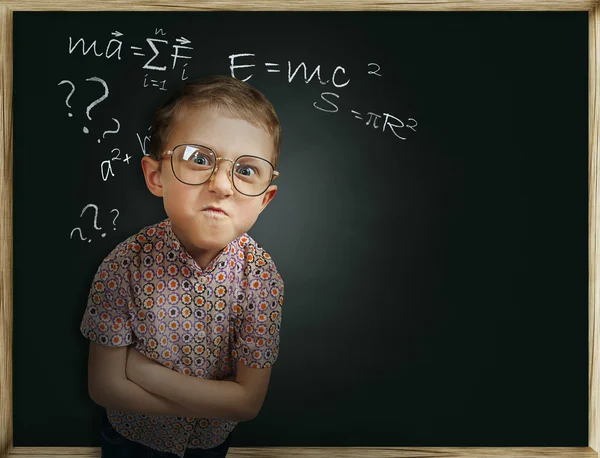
183,317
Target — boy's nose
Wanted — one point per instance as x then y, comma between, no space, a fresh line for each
220,181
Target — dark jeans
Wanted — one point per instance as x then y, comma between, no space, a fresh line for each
113,445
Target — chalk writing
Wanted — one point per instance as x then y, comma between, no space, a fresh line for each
70,93
112,48
330,110
336,79
391,122
182,42
97,101
154,51
144,142
92,104
106,168
155,83
374,72
111,131
152,43
95,223
244,65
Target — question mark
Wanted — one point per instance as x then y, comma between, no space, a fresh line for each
95,216
97,101
111,131
80,234
115,210
70,93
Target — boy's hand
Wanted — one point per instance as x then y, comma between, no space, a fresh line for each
139,367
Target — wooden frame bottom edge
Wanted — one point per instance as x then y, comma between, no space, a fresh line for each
340,452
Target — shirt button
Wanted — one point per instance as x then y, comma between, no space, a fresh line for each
202,280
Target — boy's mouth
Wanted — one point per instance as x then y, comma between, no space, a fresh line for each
215,210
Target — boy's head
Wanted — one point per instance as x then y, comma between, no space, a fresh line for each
233,97
211,194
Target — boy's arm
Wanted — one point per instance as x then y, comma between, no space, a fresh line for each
109,387
238,400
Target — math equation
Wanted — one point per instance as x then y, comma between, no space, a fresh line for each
163,61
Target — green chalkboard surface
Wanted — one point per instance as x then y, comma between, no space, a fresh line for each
430,224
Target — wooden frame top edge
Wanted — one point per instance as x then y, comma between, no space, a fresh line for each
301,5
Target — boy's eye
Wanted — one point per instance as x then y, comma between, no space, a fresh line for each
201,158
246,170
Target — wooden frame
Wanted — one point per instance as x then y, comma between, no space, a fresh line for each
6,315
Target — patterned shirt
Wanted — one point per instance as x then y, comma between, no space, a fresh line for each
149,292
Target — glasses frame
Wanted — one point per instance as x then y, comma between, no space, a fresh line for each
170,153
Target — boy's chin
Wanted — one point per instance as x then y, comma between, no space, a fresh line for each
206,245
214,244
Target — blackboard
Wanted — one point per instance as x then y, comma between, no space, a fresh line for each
435,269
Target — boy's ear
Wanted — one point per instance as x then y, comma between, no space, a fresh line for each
152,174
268,196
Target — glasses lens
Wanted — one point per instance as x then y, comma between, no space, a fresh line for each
193,164
252,175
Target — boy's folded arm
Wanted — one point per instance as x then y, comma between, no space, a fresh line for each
238,400
109,386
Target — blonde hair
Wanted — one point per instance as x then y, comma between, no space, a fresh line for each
225,93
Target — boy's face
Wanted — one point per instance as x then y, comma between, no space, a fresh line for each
205,233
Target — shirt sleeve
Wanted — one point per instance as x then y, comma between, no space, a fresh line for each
257,336
107,319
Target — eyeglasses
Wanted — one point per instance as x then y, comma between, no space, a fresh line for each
195,165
